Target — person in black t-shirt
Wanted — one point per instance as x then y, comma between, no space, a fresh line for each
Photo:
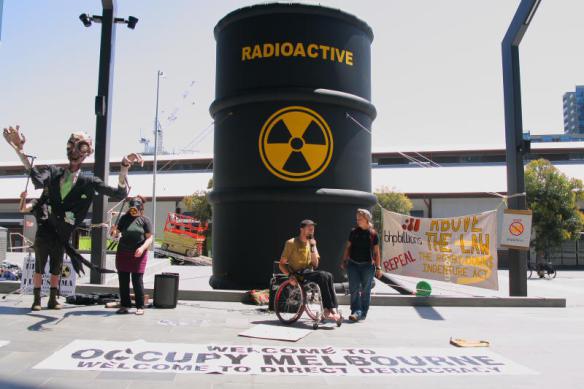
361,260
132,253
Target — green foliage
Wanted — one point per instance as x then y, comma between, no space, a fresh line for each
198,204
553,197
85,243
392,201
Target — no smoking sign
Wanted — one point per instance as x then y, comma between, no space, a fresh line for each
516,231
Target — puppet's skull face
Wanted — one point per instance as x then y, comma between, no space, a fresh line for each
79,147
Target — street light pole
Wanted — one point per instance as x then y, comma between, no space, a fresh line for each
514,133
103,108
103,104
155,166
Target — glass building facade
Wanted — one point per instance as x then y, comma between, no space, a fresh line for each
574,111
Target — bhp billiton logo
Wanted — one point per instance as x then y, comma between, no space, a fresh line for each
411,225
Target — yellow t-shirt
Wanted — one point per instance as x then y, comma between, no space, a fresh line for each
297,253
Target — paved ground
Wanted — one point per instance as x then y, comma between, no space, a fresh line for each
547,341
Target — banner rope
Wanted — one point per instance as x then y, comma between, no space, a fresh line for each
429,163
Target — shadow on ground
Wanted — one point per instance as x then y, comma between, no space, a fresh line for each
40,326
428,313
4,384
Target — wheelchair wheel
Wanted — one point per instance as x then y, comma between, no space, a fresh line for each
313,301
551,273
289,302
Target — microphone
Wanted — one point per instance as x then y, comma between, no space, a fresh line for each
309,237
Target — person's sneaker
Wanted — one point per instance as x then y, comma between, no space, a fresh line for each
122,311
354,317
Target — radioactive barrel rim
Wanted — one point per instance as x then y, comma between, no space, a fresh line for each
318,96
290,8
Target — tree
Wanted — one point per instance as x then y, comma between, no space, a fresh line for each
392,201
553,198
198,204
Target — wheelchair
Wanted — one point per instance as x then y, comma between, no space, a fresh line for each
292,299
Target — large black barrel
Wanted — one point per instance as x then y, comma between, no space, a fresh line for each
291,82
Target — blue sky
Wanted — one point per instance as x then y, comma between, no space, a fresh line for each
436,70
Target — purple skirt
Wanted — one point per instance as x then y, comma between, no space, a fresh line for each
126,262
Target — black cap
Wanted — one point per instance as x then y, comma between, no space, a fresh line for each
307,222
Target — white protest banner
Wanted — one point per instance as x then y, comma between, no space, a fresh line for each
147,357
516,231
68,277
461,250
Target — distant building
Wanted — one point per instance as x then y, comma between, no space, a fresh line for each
546,138
574,111
466,181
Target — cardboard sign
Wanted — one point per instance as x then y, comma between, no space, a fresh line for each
276,332
516,231
68,277
181,358
461,249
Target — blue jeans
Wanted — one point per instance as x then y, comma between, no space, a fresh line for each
360,280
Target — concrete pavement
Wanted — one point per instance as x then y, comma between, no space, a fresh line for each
545,340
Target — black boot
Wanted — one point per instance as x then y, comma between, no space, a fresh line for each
36,304
53,303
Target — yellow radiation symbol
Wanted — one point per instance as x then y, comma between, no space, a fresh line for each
296,144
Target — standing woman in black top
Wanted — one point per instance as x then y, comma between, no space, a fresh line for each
362,262
132,253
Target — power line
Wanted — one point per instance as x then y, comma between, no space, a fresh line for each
429,162
198,139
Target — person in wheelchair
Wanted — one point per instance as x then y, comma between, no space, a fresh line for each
299,260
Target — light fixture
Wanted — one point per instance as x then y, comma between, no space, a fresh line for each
88,20
132,22
85,19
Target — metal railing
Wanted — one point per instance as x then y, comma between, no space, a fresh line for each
26,243
570,253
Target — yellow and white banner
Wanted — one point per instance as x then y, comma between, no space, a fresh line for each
461,250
